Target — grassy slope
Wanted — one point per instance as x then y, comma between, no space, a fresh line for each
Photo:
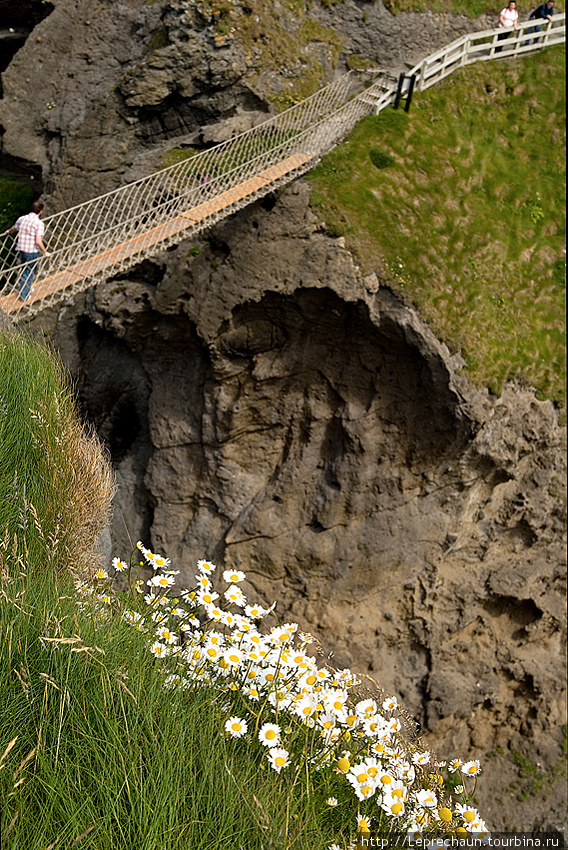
469,221
112,756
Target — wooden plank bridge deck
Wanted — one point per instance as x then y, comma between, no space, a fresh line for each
186,221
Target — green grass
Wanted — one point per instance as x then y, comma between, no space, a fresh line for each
469,222
54,482
112,756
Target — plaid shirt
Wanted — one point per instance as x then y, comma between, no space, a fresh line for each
29,227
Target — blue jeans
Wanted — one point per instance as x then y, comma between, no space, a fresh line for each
531,30
28,272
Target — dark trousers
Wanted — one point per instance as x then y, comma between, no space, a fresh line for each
27,277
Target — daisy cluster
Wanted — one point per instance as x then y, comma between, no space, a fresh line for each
296,713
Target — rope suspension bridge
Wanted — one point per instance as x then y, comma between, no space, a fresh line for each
113,232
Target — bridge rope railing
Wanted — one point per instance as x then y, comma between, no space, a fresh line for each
104,236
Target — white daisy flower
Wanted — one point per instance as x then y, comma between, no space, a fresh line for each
426,799
119,565
393,806
101,574
160,650
207,597
234,595
365,708
203,581
256,612
454,764
233,576
131,616
332,801
390,704
232,657
161,581
471,768
278,758
206,567
159,562
393,724
269,735
305,707
213,653
468,813
236,727
166,636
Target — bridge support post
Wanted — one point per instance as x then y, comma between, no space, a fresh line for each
399,90
409,93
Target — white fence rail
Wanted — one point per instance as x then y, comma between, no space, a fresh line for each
115,231
489,44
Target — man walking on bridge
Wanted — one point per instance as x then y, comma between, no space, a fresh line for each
30,242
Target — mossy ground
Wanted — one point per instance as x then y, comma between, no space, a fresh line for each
469,221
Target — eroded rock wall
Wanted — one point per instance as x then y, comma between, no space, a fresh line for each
270,408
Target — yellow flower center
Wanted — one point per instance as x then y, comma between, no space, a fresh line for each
468,816
343,765
386,780
397,808
445,815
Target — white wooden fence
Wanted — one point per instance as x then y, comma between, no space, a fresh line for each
115,231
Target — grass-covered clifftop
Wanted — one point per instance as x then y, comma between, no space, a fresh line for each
464,213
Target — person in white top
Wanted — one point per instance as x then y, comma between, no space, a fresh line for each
507,19
30,242
509,16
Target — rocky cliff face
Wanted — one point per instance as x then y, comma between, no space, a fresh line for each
268,407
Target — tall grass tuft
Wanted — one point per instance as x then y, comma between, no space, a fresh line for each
102,757
55,482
